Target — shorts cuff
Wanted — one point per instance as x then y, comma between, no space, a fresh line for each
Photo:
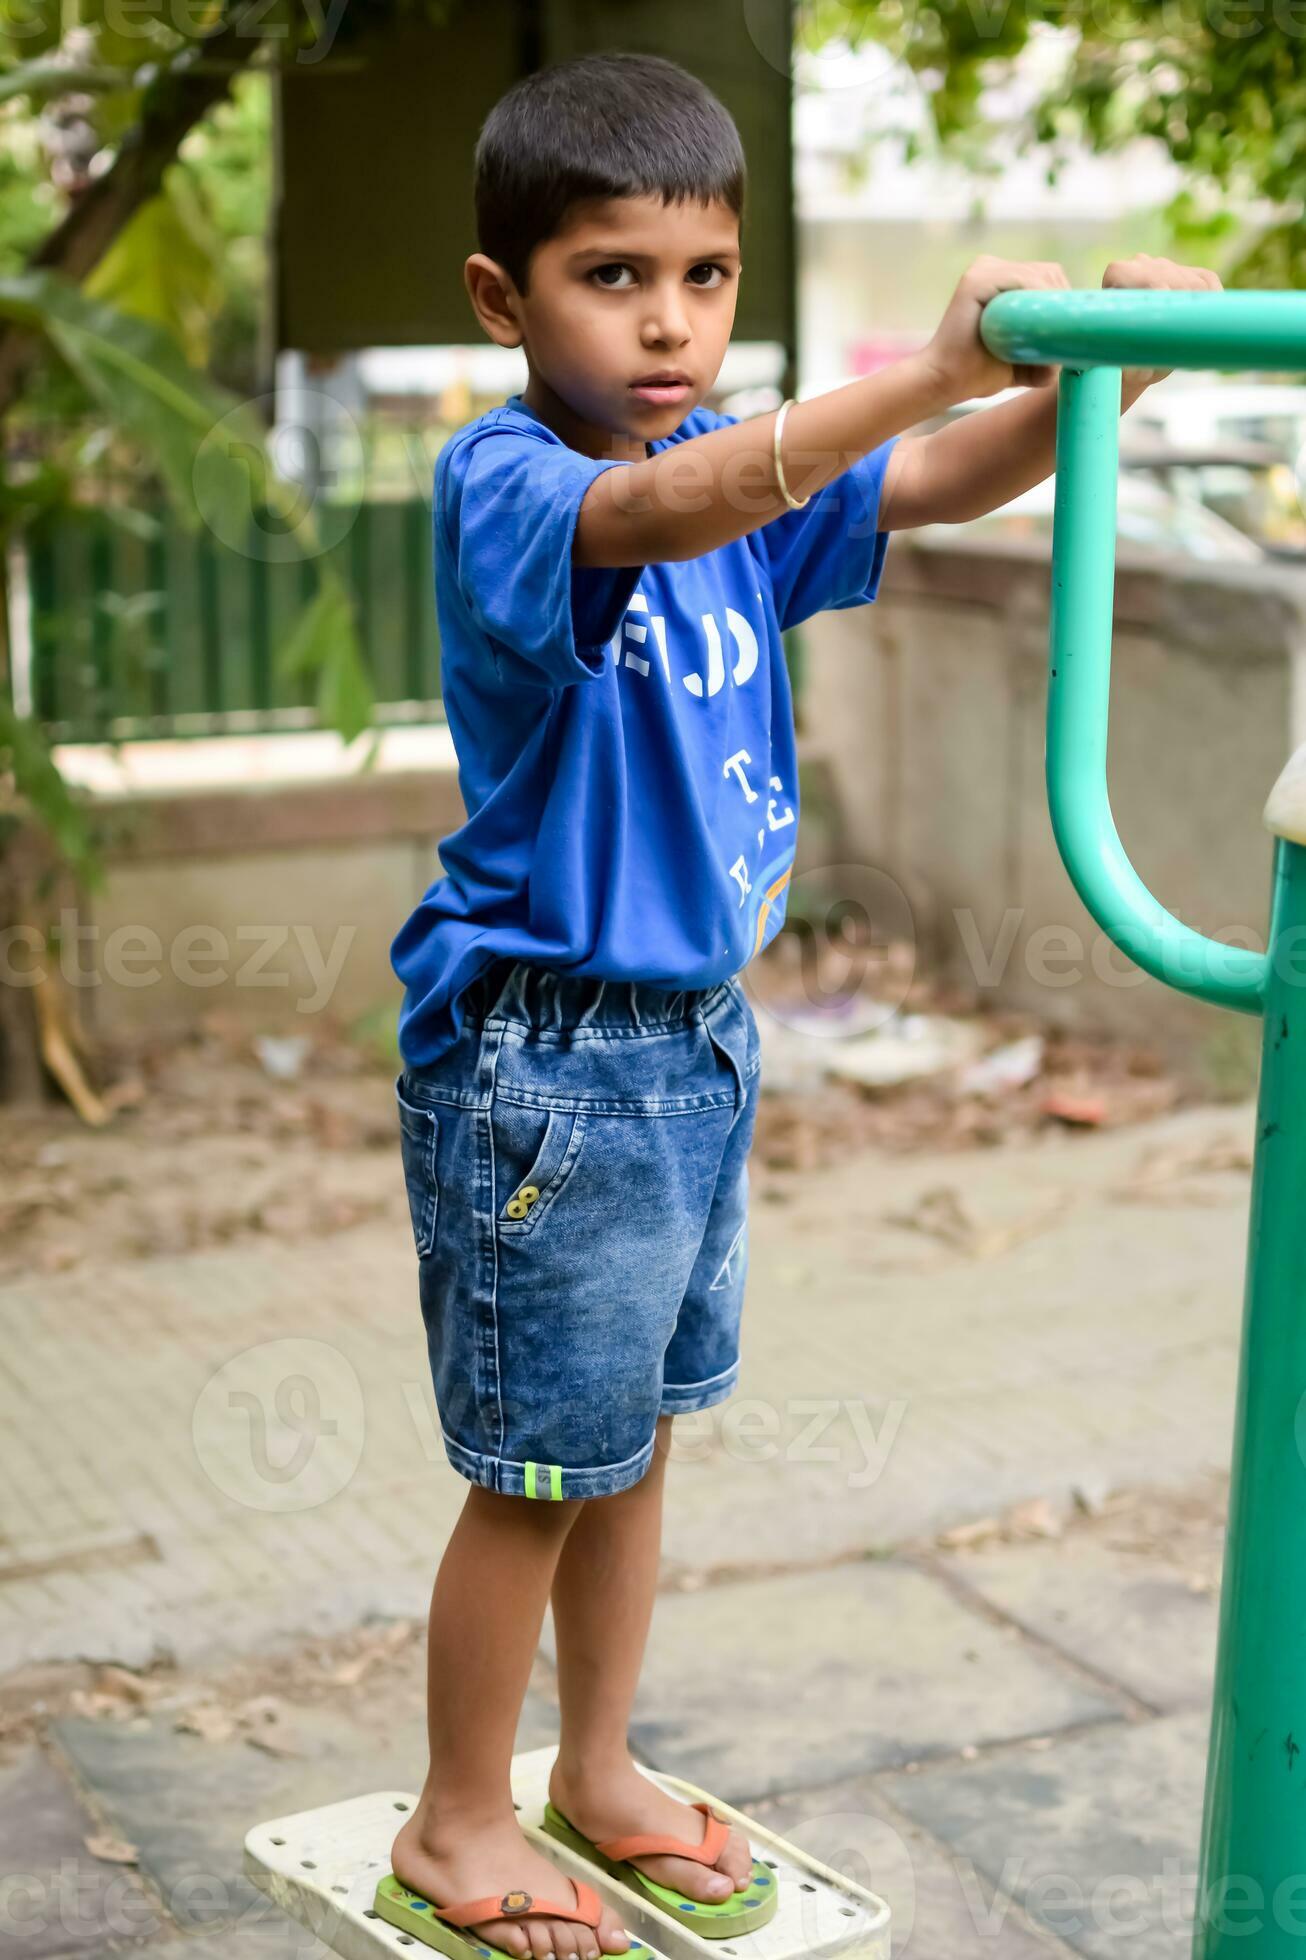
550,1481
679,1399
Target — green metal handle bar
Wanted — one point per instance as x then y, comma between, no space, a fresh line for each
1093,335
1252,1820
1141,329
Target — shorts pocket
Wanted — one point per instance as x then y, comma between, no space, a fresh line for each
419,1132
535,1152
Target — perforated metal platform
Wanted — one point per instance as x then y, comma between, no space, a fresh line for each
322,1866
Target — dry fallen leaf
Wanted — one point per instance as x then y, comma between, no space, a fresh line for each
273,1743
208,1721
112,1850
1035,1519
941,1213
121,1682
960,1535
1164,1175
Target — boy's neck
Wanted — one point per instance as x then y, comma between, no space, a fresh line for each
587,437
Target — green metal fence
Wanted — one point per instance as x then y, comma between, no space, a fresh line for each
142,628
155,630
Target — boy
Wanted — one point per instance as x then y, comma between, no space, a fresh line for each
614,568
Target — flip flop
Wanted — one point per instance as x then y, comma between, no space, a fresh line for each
441,1926
712,1920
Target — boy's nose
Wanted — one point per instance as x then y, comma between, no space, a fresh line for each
667,326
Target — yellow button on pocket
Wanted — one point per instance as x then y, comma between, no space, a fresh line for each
519,1206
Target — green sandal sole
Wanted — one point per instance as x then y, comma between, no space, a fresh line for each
411,1913
743,1913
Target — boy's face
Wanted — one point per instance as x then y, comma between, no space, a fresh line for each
628,314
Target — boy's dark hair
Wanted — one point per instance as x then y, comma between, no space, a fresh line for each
603,125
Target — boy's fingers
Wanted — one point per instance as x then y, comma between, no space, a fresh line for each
1160,275
992,276
1033,376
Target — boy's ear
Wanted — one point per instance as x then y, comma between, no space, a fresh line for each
494,299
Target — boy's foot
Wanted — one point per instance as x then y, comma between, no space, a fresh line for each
448,1864
626,1801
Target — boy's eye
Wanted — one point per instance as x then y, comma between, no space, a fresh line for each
706,274
613,277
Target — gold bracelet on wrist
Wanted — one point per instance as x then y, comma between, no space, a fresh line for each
794,503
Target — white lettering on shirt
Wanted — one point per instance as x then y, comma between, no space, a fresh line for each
736,762
716,666
777,823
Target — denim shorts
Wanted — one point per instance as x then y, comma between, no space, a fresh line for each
577,1172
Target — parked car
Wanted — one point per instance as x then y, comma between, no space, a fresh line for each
1189,411
1150,518
1249,484
1221,499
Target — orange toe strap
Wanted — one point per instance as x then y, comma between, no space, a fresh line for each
521,1905
649,1843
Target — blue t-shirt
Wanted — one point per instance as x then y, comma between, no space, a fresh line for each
625,738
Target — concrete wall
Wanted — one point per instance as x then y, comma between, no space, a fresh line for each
922,751
931,705
276,904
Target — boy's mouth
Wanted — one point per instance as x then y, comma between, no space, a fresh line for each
662,388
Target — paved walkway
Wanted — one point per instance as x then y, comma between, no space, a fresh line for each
205,1452
221,1455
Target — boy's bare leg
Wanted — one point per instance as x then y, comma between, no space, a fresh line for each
602,1605
463,1840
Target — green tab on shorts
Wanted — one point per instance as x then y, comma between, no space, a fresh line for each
555,1480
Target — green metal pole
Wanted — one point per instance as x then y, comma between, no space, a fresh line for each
1251,1895
1252,1884
1083,590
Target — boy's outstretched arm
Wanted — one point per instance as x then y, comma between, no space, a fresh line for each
714,488
984,460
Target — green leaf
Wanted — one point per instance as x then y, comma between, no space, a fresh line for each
139,378
38,782
324,642
163,267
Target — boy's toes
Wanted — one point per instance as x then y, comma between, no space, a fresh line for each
503,1933
736,1860
612,1935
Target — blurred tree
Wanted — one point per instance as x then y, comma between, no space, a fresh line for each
133,173
1222,87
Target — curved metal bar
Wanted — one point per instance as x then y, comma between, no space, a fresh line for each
1083,582
1124,328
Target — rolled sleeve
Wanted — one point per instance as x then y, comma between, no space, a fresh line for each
510,501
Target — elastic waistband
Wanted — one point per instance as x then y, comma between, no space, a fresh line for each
541,997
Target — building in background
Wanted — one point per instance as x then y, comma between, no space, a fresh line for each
882,241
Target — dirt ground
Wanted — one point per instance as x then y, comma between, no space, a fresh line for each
256,1698
222,1135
